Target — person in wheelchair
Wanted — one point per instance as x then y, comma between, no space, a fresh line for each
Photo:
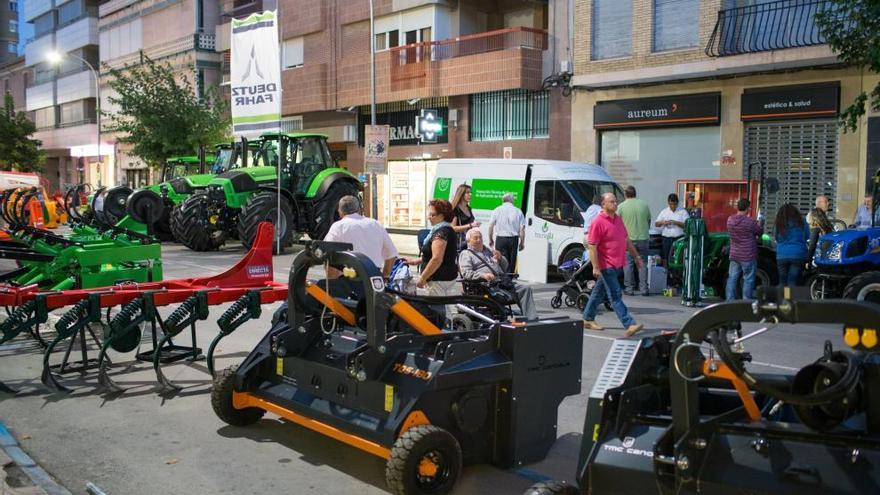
486,269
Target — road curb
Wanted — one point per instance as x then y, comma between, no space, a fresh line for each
13,457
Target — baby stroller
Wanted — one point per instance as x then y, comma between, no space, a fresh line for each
577,287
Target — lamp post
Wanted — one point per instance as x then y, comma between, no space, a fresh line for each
55,58
374,180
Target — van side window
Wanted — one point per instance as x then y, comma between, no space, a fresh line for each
554,204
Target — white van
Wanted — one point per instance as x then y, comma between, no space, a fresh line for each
552,194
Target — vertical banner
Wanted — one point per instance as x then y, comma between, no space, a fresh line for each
255,75
376,149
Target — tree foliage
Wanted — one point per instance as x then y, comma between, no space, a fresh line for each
17,150
159,114
852,29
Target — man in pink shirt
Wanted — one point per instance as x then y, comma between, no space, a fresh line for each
608,243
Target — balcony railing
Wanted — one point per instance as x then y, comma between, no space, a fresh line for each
767,26
244,9
408,61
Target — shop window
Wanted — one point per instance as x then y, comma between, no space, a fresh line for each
405,192
612,29
554,204
514,114
293,53
676,24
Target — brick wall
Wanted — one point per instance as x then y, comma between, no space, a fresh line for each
556,147
642,41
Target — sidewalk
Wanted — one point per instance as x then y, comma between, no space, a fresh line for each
20,474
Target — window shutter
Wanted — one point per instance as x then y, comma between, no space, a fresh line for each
676,24
293,52
612,28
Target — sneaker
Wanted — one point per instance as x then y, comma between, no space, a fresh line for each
630,330
592,325
628,292
646,293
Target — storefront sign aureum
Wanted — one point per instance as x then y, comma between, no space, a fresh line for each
664,111
376,149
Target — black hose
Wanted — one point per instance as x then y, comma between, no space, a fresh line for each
833,393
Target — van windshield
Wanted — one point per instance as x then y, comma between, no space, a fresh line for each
585,192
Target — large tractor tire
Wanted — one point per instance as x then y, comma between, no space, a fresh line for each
191,226
263,207
325,211
864,287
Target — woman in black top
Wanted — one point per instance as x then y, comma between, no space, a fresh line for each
439,270
463,218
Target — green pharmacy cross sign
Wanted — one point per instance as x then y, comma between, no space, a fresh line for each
429,125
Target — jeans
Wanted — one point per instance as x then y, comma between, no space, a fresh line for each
608,286
747,269
790,271
628,282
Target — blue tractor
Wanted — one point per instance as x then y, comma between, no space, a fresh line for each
848,261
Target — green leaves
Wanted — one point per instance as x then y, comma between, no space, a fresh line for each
852,30
17,150
159,113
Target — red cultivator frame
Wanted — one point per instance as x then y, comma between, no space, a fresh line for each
248,284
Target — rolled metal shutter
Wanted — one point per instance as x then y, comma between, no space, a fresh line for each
802,155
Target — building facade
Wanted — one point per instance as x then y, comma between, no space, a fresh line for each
14,77
177,32
688,89
62,91
479,64
9,31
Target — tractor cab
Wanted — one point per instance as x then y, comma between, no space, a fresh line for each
302,158
183,166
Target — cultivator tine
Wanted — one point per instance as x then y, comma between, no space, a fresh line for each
122,325
69,325
242,310
27,315
193,309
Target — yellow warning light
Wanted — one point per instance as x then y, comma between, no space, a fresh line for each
851,336
869,338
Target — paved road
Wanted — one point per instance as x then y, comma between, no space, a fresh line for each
143,443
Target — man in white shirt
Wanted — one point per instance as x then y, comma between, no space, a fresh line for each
671,223
507,228
367,236
589,215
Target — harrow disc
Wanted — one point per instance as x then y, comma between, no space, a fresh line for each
126,343
145,206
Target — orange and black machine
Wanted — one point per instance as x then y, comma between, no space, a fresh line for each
382,372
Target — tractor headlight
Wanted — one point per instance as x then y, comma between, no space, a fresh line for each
834,251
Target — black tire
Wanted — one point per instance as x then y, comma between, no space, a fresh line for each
191,227
324,210
423,442
556,302
864,287
570,301
262,207
552,487
221,401
581,302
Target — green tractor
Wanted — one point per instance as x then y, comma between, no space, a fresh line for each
181,177
716,261
235,202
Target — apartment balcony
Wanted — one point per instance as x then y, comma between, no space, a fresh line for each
767,26
178,46
77,34
77,86
35,8
112,6
491,61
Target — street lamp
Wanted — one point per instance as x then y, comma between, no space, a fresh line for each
374,180
55,57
